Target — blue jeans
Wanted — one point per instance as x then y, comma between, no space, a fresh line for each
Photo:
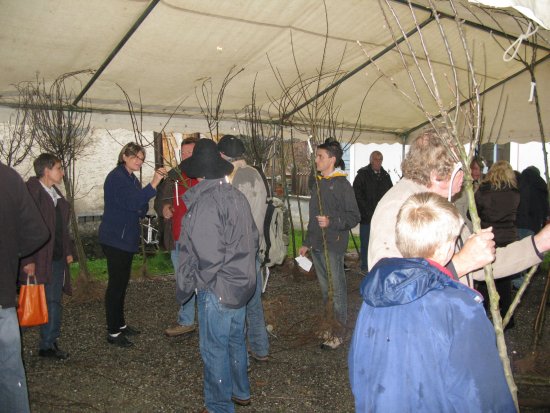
50,332
186,313
340,295
364,233
13,383
223,351
256,332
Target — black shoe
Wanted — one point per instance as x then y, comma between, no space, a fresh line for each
120,341
54,352
240,402
130,331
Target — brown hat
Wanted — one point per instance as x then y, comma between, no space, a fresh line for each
206,162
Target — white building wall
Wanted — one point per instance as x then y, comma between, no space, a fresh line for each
527,154
111,131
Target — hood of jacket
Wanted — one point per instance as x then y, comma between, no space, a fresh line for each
398,281
192,194
334,174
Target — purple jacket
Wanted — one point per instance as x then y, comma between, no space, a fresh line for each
43,257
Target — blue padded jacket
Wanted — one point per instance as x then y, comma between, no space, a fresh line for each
125,203
423,343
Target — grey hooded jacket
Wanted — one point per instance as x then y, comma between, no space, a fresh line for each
218,244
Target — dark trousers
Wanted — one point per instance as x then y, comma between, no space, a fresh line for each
119,266
504,289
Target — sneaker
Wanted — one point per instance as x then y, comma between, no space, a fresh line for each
259,358
332,343
324,335
129,331
119,341
179,330
240,402
53,352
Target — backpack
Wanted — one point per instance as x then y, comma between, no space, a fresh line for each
273,246
275,243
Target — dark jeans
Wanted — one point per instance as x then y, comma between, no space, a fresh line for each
119,266
504,289
50,332
364,234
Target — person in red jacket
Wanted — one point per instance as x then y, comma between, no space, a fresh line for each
170,206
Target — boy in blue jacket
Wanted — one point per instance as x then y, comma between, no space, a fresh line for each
422,341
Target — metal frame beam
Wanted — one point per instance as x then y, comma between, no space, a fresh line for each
357,69
117,49
475,25
482,93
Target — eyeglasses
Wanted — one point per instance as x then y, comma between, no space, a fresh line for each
142,159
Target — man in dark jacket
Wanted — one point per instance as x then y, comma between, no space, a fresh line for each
50,263
370,185
218,244
332,213
22,231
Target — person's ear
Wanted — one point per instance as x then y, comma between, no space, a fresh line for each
433,179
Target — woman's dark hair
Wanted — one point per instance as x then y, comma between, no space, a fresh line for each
130,149
477,160
332,146
44,160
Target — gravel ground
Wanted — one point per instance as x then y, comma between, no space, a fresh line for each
161,374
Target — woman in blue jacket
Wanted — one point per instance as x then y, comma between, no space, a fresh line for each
125,203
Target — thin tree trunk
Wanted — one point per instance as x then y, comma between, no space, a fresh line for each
82,259
493,300
541,313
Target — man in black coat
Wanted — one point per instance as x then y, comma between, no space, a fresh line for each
370,185
22,231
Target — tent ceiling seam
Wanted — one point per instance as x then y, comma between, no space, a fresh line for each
256,23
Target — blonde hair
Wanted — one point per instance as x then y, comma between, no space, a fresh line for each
424,222
428,154
501,175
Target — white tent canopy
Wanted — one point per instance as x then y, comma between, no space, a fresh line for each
536,10
161,52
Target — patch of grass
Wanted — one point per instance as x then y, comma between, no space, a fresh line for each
545,265
160,263
157,264
298,236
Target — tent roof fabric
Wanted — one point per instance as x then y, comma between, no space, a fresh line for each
179,44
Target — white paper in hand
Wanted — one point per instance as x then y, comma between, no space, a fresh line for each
304,262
